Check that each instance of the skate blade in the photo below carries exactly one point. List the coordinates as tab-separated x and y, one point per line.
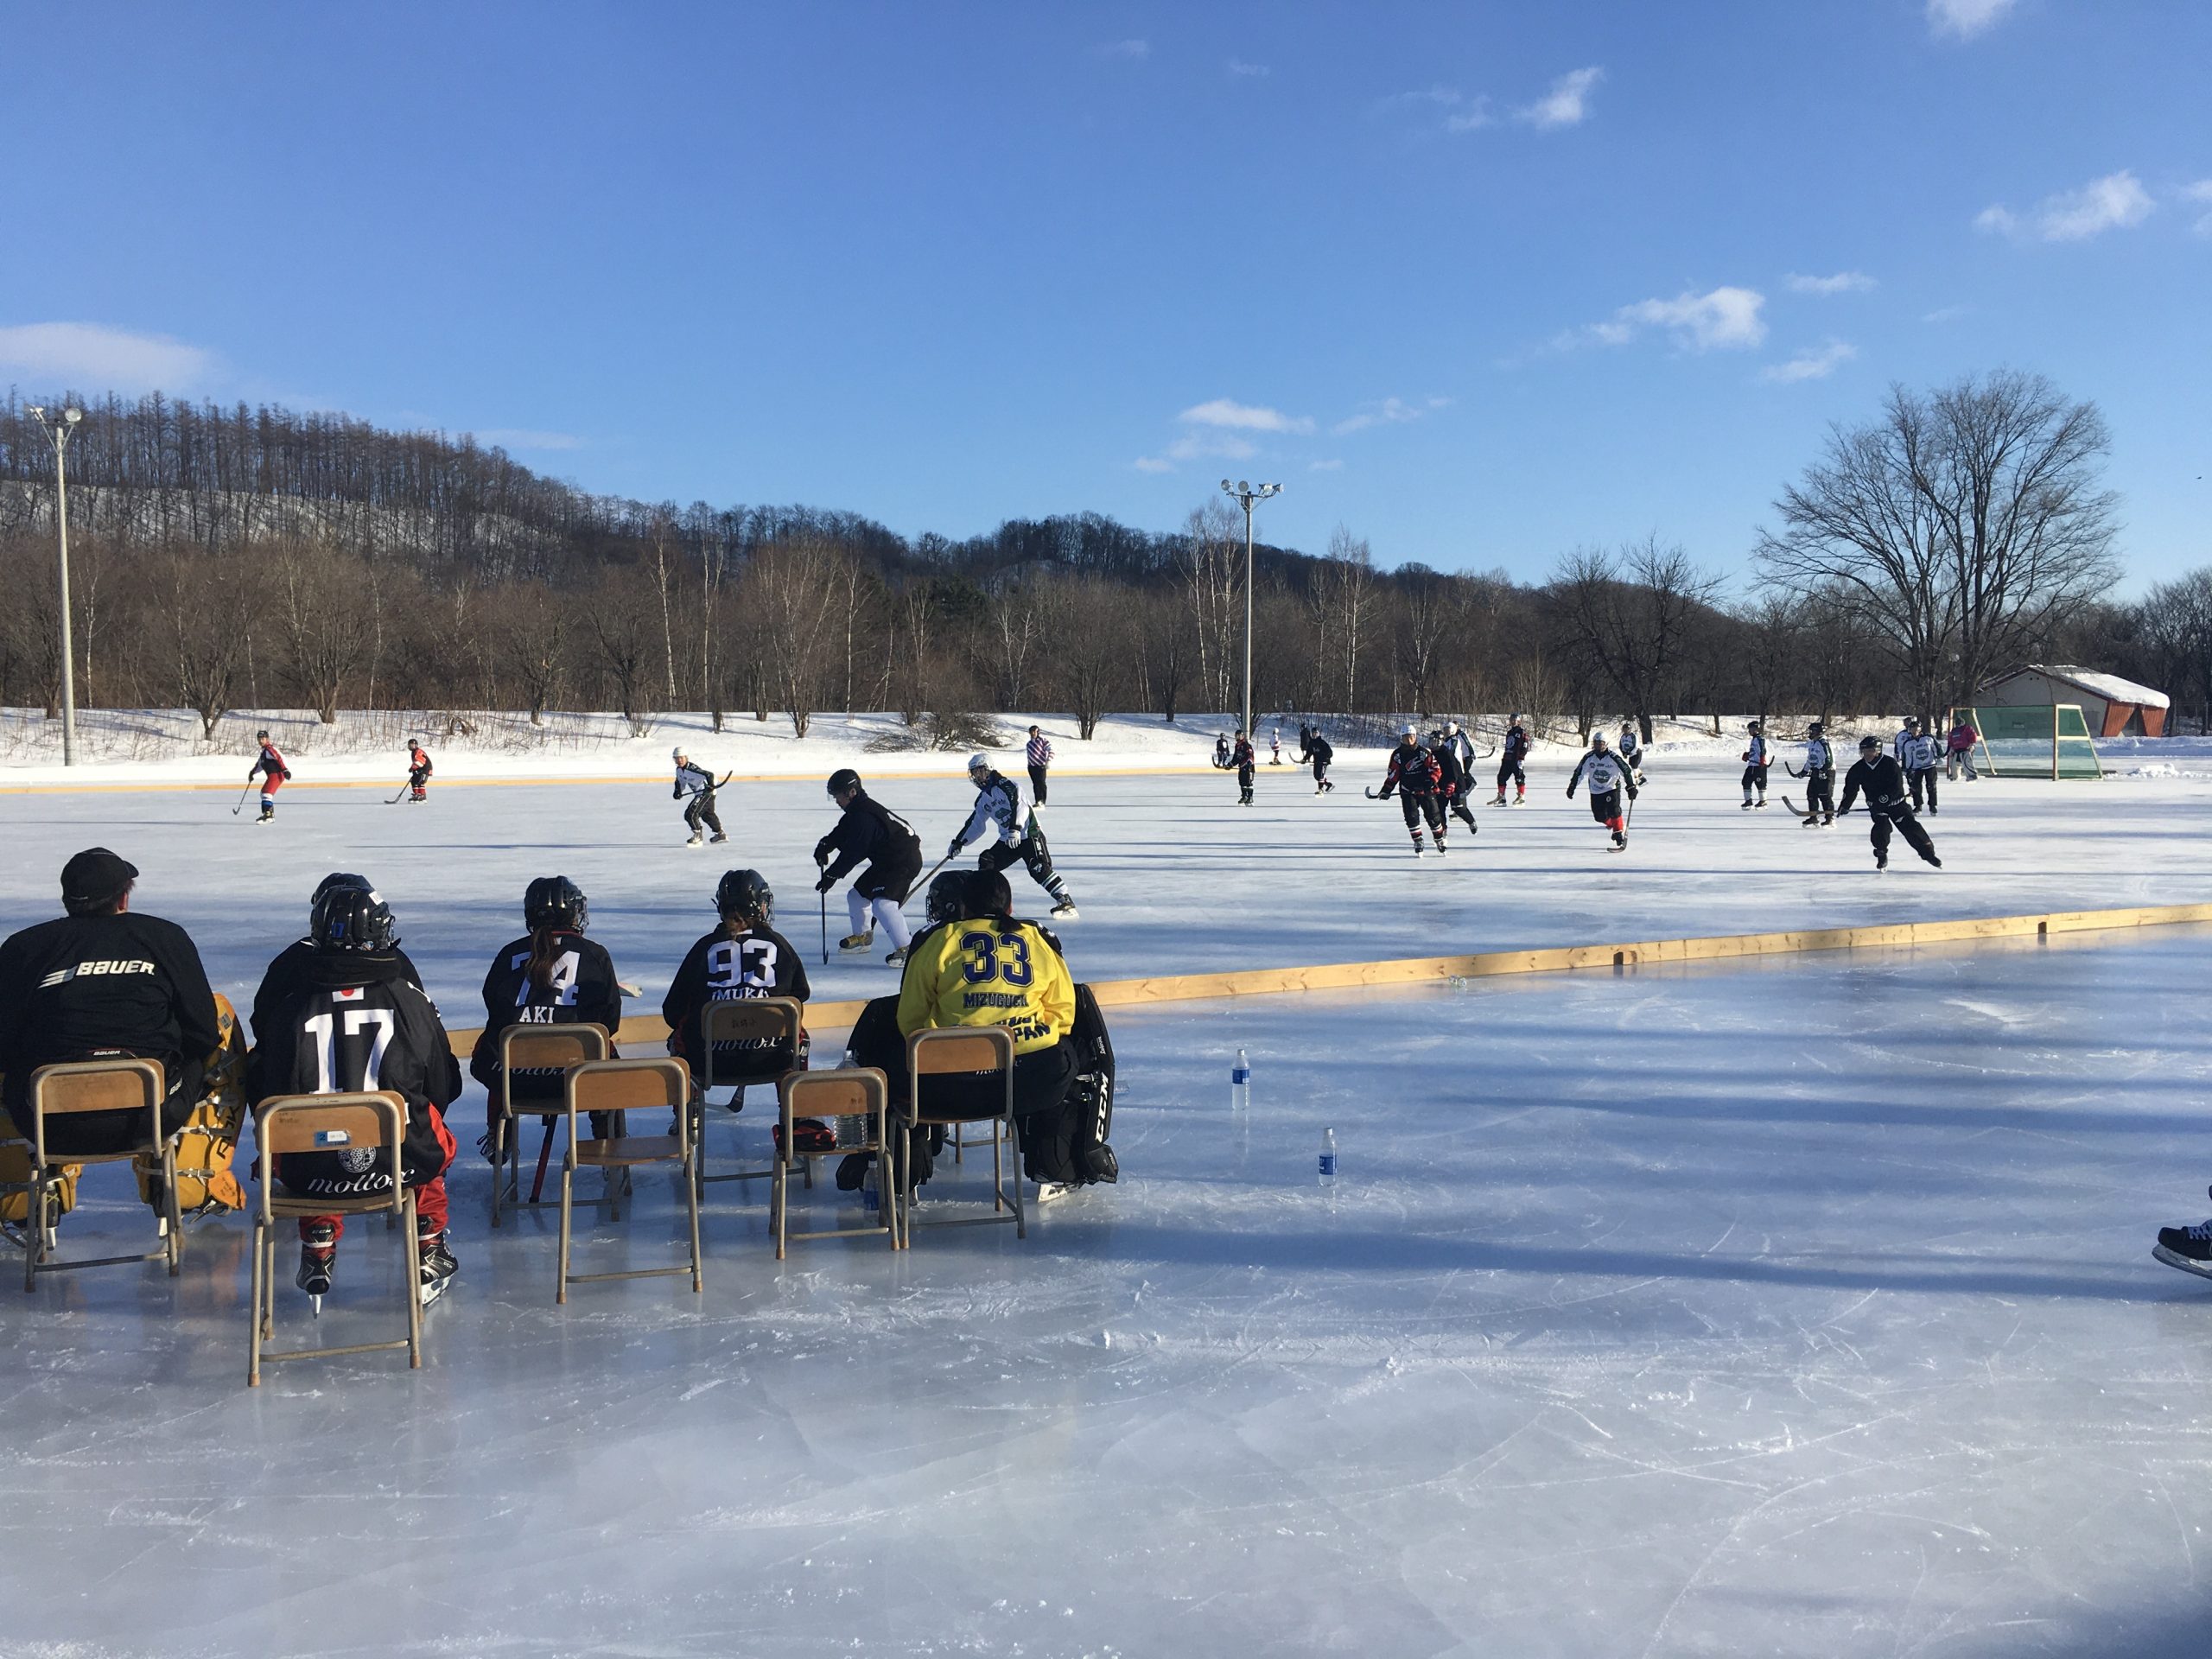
435	1289
316	1303
2202	1269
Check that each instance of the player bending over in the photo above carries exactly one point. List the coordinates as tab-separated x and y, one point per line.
1414	774
1883	780
870	834
1013	835
1608	776
699	784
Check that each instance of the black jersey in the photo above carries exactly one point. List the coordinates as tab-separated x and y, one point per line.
286	977
79	986
719	968
1413	769
580	990
1883	780
870	833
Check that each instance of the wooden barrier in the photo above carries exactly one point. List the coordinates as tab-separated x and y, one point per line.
652	1033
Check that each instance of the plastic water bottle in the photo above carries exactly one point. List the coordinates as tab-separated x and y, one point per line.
871	1193
1240	1083
1328	1158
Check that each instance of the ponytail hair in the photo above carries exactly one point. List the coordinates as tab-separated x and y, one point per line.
544	957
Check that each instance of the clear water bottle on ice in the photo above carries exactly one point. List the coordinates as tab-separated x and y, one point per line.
871	1192
1240	1083
1328	1158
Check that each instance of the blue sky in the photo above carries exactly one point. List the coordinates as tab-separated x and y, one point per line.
1483	283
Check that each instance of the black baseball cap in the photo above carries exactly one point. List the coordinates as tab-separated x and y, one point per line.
95	876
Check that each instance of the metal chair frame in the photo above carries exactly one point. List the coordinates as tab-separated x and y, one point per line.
627	1086
95	1086
777	1018
289	1123
937	1051
555	1046
855	1092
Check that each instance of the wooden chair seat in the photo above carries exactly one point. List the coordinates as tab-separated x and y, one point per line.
69	1089
626	1151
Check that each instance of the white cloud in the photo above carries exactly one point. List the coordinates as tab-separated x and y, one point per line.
1811	364
1330	466
524	437
1153	464
1247	417
1238	67
1391	411
1727	318
93	357
1448	97
1946	314
1566	103
1128	51
2114	202
1962	20
1472	116
1844	281
2200	194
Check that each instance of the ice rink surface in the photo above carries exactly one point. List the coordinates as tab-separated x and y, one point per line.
1800	1307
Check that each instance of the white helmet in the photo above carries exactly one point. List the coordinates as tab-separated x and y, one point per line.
1598	738
676	753
1410	730
979	763
1452	726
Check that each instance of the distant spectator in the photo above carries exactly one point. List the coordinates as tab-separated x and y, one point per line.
1039	757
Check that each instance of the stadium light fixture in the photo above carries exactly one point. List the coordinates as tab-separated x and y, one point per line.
1247	498
57	432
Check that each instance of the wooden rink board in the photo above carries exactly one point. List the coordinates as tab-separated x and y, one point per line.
652	1032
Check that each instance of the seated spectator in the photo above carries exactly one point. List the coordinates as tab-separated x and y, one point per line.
285	977
552	976
102	981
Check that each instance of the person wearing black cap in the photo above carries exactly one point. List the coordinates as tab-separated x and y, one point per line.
1887	804
870	834
103	981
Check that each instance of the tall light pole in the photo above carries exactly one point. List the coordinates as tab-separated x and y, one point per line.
1248	496
57	433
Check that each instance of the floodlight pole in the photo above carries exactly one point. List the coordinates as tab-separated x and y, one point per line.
57	433
1248	496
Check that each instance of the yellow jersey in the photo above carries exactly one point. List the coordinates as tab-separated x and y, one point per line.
989	972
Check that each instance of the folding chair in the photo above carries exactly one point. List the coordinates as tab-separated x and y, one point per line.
360	1122
627	1086
767	1018
936	1052
859	1091
78	1086
533	1048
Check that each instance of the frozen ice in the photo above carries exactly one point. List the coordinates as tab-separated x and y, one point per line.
1794	1306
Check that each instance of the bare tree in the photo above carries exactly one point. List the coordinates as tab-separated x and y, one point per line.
1343	601
1628	617
203	600
1963	524
1210	564
323	614
792	589
625	629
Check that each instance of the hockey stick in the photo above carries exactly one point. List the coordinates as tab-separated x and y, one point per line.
396	799
824	897
545	1154
1803	817
243	793
922	885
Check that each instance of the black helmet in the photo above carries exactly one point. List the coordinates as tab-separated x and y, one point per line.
989	894
948	896
843	779
352	920
1869	741
555	901
261	737
338	879
744	895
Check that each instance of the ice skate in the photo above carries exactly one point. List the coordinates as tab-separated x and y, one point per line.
2189	1249
1048	1191
1747	805
1066	912
897	957
1521	798
1881	861
318	1263
695	841
1620	840
718	836
439	1265
1760	803
853	942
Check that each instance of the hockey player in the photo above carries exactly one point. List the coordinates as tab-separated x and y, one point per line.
268	766
1039	757
418	771
1512	752
1883	781
1419	783
1012	833
552	976
1959	750
1221	752
1757	758
699	784
1242	758
101	981
1275	745
1921	757
1315	748
285	975
1608	776
1903	735
1462	746
1819	778
870	834
743	959
2189	1248
1631	748
356	1023
1452	782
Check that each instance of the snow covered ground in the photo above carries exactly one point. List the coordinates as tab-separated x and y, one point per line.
1798	1305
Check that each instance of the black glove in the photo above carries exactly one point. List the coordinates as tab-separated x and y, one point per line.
287	774
1632	791
953	851
825	884
675	793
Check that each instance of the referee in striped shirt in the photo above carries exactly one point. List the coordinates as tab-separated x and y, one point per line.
1040	756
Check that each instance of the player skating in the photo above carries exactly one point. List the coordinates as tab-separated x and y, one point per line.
699	785
1608	777
1883	781
871	834
1631	750
1314	747
1242	758
1512	754
1819	778
1012	834
1921	754
1757	758
1274	745
1462	746
1452	782
357	1024
418	771
268	767
1416	775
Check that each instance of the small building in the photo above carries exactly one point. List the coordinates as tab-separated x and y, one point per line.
2112	707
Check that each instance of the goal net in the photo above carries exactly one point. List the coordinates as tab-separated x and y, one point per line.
2034	740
